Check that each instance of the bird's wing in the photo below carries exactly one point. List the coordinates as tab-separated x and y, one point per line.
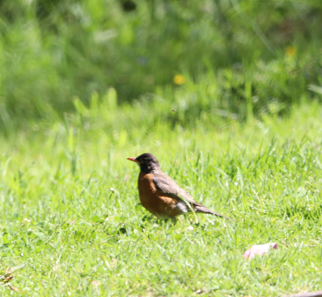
168	186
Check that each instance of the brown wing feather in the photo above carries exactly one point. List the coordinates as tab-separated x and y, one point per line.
168	186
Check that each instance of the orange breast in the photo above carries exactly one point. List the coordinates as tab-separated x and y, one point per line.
155	201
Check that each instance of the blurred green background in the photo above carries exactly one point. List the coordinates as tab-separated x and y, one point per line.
253	57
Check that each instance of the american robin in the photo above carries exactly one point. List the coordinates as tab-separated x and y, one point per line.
160	195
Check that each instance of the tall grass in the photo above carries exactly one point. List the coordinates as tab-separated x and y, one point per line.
257	56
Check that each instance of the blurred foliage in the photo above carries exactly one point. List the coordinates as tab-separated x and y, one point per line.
253	56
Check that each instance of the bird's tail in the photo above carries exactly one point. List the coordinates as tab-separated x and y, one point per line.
202	209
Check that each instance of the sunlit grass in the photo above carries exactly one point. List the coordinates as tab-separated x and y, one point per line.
225	95
72	223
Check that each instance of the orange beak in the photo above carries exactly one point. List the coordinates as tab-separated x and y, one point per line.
133	160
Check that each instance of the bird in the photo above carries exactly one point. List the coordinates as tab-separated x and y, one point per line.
161	195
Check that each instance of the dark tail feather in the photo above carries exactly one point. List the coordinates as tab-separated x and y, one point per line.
203	209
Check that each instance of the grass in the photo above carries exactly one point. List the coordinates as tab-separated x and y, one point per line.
72	224
51	51
237	128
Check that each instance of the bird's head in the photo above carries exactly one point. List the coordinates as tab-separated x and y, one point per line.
147	162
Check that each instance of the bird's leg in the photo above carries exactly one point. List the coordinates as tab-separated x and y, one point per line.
174	220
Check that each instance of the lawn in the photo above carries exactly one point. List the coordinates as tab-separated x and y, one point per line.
72	224
227	96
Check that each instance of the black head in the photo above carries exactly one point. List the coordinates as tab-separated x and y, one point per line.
147	162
